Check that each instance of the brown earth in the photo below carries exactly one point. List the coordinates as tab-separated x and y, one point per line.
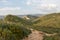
35	35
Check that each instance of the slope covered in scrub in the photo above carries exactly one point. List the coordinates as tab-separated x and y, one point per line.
50	20
49	23
12	28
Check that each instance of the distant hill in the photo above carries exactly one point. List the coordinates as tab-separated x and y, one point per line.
30	17
21	16
1	16
35	15
38	15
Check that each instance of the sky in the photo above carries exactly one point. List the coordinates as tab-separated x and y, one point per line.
23	7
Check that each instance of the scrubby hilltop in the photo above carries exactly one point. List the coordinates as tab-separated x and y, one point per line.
13	18
13	28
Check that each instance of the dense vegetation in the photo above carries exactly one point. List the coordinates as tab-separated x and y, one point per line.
12	28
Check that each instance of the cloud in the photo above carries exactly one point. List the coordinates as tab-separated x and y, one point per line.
6	2
36	1
9	8
32	2
29	2
3	0
46	6
43	6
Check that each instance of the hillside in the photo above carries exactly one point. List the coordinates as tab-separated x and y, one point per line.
49	23
13	28
51	20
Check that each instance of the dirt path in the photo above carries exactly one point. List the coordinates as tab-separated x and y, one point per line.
35	35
